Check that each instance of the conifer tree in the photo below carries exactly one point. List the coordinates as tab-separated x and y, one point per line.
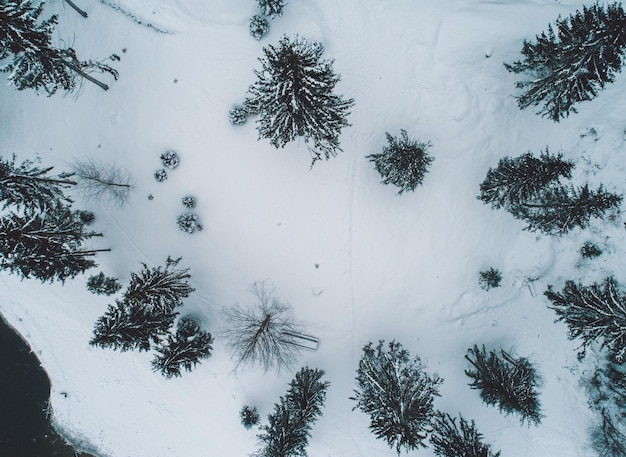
185	349
403	163
126	327
159	289
397	394
593	313
573	61
307	394
271	8
249	416
505	381
101	284
293	96
28	185
462	440
46	245
33	62
524	178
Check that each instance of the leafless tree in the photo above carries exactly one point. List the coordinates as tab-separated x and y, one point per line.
103	182
263	334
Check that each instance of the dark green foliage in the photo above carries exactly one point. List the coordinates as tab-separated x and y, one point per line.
593	313
185	349
462	440
103	285
159	289
249	416
28	185
259	26
271	8
521	179
397	394
126	326
403	163
590	250
507	382
294	97
33	61
288	428
46	245
489	279
573	61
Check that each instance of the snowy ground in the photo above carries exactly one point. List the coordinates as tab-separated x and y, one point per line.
389	266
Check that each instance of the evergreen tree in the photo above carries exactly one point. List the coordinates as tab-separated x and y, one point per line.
307	394
507	382
294	97
397	394
103	285
521	179
126	326
249	416
595	312
183	350
159	289
573	63
33	61
462	440
271	8
561	209
46	245
28	185
403	162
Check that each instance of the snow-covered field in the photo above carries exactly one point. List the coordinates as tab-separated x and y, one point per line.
388	266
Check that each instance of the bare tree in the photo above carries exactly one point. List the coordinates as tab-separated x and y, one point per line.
263	334
103	182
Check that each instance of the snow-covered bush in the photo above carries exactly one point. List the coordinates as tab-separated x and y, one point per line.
462	440
160	175
590	250
403	163
170	159
249	416
397	393
259	26
505	381
189	201
271	8
103	285
238	115
188	222
488	279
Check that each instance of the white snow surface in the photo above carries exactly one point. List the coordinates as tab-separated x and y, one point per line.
389	266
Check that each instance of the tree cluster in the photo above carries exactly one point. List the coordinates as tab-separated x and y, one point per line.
531	189
572	61
289	425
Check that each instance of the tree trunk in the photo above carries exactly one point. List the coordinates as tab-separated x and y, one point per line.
86	76
76	8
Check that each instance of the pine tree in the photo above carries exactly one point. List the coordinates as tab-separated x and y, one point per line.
307	394
249	416
28	185
462	440
573	63
507	382
524	178
397	394
33	61
595	312
562	209
103	285
46	245
271	8
294	97
183	350
403	163
159	289
126	326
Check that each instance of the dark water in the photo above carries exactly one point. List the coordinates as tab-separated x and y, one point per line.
24	392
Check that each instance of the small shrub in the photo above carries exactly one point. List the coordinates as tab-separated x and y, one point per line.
238	115
271	8
86	217
403	163
188	222
160	175
259	27
170	159
488	279
103	285
189	201
249	416
590	250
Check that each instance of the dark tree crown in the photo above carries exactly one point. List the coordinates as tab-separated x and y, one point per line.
450	439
